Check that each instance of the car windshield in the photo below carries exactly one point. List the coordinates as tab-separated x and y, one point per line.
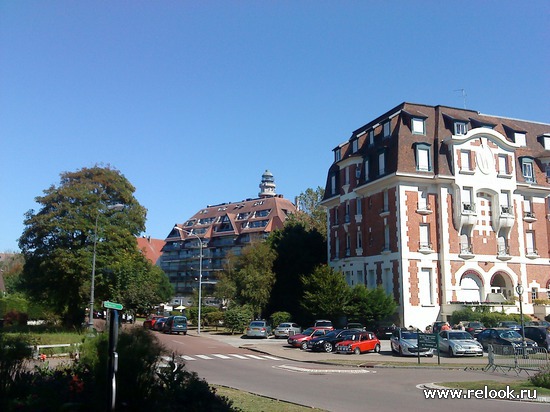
179	320
409	335
332	334
257	324
509	334
308	331
284	325
460	336
323	323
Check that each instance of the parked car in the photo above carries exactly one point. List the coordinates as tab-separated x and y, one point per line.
258	329
363	342
159	323
474	328
326	324
459	343
300	340
538	334
384	330
327	343
509	325
286	329
436	327
405	343
501	336
355	325
150	321
538	323
175	324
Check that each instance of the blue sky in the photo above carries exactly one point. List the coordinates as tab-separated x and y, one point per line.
193	100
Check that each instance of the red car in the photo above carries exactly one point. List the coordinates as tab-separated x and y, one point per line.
363	342
149	323
300	340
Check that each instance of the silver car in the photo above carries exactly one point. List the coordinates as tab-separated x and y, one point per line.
459	343
258	329
286	329
405	343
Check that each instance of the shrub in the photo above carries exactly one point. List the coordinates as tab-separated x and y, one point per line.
542	378
13	352
237	318
280	317
213	318
14	317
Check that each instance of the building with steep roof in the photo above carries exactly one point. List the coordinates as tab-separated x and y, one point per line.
444	208
220	230
151	248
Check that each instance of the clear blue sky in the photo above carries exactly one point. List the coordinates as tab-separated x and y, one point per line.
193	100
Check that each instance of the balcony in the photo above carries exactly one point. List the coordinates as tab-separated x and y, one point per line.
466	251
531	253
425	247
468	208
529	217
423	209
507	210
503	253
385	211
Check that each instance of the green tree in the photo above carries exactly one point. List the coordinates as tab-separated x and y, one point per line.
237	318
310	212
253	276
58	243
299	251
326	293
370	305
10	269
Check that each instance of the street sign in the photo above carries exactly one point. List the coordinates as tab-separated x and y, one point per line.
427	341
112	305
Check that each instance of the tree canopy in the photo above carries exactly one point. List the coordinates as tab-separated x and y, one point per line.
310	212
370	305
58	245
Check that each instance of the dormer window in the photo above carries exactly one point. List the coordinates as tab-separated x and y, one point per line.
337	155
527	167
423	157
461	128
371	138
545	141
418	126
354	145
519	138
381	163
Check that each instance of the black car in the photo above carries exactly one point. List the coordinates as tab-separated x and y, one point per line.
504	337
538	334
474	328
384	330
327	343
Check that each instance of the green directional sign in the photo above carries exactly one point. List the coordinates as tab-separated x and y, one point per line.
112	305
427	341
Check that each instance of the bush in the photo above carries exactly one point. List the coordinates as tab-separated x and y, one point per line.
14	317
13	352
280	317
82	386
213	318
237	318
542	378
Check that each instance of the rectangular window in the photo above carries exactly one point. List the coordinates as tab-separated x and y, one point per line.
387	129
467	202
371	138
461	128
346	172
425	236
358	208
359	240
504	199
348	245
422	200
333	184
534	294
519	138
366	169
503	165
465	163
527	168
388	282
336	246
425	287
530	243
423	159
418	126
336	215
337	155
371	279
386	238
354	145
386	201
381	164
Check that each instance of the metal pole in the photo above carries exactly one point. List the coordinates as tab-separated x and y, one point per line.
92	290
200	285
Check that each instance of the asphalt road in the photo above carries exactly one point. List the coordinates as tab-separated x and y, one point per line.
270	368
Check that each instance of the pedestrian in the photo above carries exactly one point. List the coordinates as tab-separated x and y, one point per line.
428	329
460	326
446	326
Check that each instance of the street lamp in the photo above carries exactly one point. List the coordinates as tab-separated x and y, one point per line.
519	290
200	274
116	207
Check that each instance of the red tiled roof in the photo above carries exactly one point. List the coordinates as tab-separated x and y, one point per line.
151	248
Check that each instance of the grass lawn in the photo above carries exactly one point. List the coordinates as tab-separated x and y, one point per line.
249	402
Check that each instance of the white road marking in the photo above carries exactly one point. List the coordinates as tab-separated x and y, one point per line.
305	370
203	356
221	356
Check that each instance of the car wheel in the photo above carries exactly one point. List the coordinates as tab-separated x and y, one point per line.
400	351
327	347
184	333
303	346
451	352
377	348
357	351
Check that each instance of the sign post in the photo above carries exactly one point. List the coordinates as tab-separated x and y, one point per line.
113	355
428	341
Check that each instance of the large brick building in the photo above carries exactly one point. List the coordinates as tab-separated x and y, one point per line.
443	207
222	229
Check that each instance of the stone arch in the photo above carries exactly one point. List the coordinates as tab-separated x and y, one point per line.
501	283
471	287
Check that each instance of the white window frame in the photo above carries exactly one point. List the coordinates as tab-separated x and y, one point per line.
423	153
371	137
418	126
358	206
381	163
386	129
354	145
519	138
460	128
466	160
425	287
338	155
528	170
503	164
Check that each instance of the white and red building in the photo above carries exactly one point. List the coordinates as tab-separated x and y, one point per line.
443	207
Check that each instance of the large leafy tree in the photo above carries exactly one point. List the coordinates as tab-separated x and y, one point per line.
58	244
253	276
370	305
299	251
310	213
326	293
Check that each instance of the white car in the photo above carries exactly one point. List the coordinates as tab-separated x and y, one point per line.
405	343
286	329
459	343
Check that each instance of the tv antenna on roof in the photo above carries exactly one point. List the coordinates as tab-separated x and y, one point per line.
463	92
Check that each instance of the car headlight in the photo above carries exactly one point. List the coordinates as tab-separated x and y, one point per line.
457	346
407	345
320	341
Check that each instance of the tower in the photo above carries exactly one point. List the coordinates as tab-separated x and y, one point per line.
267	185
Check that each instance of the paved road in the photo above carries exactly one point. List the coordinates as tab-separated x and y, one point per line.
275	370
